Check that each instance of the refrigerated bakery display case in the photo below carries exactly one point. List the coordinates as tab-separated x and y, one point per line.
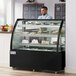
38	44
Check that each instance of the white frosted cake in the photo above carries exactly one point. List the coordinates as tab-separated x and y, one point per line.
34	41
25	41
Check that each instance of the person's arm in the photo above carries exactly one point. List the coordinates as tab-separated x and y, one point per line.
49	17
39	17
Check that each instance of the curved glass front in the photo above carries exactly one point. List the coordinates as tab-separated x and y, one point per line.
38	35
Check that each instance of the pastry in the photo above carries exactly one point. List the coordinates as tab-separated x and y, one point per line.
39	32
54	32
32	32
55	42
45	42
30	22
37	23
55	24
35	41
62	32
44	30
25	41
26	32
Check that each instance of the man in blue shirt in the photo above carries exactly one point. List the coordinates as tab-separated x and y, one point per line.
44	15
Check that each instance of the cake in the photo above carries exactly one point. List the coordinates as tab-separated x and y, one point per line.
35	41
25	41
45	42
54	41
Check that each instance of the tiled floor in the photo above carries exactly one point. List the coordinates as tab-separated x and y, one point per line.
11	72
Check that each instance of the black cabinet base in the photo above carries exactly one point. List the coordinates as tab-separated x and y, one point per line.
37	60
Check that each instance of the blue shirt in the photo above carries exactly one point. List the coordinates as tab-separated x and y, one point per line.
45	17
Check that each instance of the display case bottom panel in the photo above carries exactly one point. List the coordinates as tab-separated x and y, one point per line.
37	60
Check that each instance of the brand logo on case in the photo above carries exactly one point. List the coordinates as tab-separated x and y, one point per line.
13	52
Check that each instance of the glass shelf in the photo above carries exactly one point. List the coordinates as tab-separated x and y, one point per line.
38	49
38	26
37	45
38	35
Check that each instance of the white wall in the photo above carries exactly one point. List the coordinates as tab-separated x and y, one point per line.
2	12
6	12
70	36
5	50
9	11
48	3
